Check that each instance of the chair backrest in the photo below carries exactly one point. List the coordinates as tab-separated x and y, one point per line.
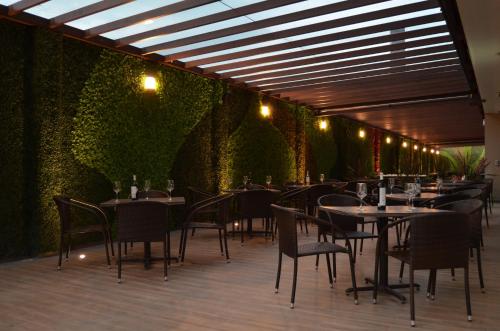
473	193
287	223
66	204
256	203
345	222
220	204
296	198
442	199
152	194
318	190
439	241
471	207
141	221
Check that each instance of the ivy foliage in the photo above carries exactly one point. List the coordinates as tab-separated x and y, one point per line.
259	148
322	145
122	130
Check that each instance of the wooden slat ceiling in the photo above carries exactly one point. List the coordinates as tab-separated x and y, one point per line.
337	57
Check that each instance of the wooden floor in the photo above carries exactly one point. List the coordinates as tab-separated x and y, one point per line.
208	294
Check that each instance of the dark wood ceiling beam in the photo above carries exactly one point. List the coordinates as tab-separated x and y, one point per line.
294	73
150	14
22	5
85	11
336	57
205	20
262	24
322	26
307	41
348	70
396	37
420	68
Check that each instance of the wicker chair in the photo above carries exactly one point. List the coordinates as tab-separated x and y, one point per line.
143	221
288	245
473	208
66	208
436	242
442	199
348	223
221	205
484	195
253	204
297	199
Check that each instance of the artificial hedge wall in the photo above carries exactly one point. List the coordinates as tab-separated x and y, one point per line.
75	118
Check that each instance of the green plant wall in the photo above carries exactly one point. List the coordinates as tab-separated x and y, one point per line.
323	149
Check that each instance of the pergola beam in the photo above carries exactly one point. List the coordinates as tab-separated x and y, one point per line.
85	11
307	41
150	14
205	20
22	5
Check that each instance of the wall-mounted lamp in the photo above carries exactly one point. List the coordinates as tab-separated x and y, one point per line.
405	144
432	151
323	125
415	147
437	153
362	133
424	149
388	140
149	83
265	111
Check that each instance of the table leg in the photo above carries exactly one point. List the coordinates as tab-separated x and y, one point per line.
147	255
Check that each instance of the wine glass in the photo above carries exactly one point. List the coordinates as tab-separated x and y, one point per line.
147	187
268	181
117	187
170	188
321	178
392	183
361	192
245	181
410	190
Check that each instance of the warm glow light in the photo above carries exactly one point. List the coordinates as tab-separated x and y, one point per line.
323	124
424	149
432	150
82	256
388	140
415	147
405	144
362	133
437	152
150	83
265	111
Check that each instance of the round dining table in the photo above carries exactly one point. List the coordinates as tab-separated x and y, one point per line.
382	217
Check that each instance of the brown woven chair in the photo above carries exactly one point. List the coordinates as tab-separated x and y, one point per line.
297	199
484	194
221	205
348	223
288	245
66	208
143	221
252	204
436	242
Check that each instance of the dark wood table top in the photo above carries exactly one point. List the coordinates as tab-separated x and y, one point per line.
239	190
390	211
404	196
174	202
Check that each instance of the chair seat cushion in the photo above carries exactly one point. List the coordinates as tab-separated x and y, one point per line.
320	248
203	225
355	235
402	255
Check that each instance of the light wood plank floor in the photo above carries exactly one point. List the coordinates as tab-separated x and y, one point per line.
208	294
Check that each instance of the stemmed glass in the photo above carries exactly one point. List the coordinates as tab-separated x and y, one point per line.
147	187
439	184
170	188
117	187
410	190
245	181
321	178
361	192
268	181
392	183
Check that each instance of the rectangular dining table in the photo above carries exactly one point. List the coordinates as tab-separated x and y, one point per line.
169	202
382	217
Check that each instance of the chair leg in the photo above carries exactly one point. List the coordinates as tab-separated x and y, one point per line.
294	286
165	259
125	248
61	244
184	244
68	247
429	282
119	261
480	269
241	231
278	274
181	243
220	243
300	223
329	267
354	253
361	244
434	282
375	279
467	293
412	298
453	274
317	255
111	242
105	236
305	225
353	277
401	271
225	245
486	214
192	232
168	248
334	266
